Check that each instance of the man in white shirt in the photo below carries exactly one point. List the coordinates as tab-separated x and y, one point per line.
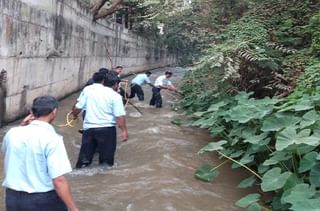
137	82
35	161
162	82
104	110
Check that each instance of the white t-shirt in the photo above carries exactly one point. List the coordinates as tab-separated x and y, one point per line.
162	81
102	105
33	156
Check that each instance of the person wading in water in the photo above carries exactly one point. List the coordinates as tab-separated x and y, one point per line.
136	84
162	82
104	110
35	161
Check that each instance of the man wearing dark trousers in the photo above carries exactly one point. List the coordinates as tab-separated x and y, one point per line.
137	82
162	82
104	111
35	161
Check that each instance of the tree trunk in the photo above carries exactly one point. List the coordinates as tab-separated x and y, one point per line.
105	12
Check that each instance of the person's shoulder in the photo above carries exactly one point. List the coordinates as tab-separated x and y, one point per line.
15	130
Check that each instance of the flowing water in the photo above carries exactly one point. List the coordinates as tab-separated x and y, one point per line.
154	169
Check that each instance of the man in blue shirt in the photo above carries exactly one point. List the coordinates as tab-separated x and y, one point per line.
35	161
136	84
104	110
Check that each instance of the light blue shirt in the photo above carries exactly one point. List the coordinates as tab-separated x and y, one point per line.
162	81
33	156
102	105
141	79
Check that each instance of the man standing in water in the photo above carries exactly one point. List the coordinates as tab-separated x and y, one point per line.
162	82
104	110
136	84
35	161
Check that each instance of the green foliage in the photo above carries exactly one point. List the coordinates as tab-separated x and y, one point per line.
206	173
279	136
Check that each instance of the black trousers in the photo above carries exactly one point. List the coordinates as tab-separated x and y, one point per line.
156	99
103	140
23	201
137	90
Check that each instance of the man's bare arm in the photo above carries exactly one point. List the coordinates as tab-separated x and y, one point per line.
121	122
63	190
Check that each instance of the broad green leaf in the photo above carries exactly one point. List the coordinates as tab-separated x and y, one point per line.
176	121
254	207
289	136
256	139
199	113
262	169
213	146
245	113
247	158
306	205
307	162
215	107
315	175
305	103
292	181
300	192
214	131
309	118
248	200
205	173
277	157
248	182
274	180
237	154
279	121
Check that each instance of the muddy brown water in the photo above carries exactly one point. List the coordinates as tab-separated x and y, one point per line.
154	169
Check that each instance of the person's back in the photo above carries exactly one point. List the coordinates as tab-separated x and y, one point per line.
100	105
29	150
35	161
141	79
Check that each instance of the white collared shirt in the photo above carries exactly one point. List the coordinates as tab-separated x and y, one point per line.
162	81
33	156
102	105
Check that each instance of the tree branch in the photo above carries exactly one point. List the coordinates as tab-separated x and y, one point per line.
105	12
96	6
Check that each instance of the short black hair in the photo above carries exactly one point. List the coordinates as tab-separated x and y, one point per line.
43	105
103	70
118	67
98	77
148	73
111	79
168	73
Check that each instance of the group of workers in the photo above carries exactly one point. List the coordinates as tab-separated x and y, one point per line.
35	158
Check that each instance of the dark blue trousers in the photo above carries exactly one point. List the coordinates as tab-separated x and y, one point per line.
136	90
23	201
156	99
103	140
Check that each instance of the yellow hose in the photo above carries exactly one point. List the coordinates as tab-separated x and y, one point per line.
69	121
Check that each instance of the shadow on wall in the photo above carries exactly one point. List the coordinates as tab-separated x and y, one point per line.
3	81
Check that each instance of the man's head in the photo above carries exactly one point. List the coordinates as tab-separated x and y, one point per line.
99	77
45	106
112	80
118	69
168	74
148	73
103	70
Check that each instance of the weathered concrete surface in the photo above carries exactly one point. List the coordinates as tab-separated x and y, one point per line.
52	47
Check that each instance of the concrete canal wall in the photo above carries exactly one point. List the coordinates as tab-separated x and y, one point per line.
53	47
